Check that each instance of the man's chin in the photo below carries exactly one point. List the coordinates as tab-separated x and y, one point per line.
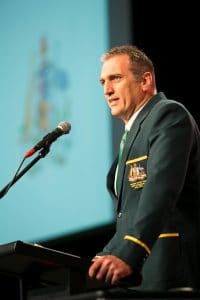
114	112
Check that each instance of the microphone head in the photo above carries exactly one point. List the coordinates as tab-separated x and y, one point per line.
64	126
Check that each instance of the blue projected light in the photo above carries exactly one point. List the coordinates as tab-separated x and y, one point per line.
50	63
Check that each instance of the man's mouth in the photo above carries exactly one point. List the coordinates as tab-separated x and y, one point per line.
113	101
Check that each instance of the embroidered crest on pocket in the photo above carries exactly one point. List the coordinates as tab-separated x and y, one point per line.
137	174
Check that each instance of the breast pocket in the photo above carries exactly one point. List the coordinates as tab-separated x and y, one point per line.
136	172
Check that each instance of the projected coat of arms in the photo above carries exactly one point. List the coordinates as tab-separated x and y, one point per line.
46	103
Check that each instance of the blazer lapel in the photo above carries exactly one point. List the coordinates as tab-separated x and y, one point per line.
130	139
111	179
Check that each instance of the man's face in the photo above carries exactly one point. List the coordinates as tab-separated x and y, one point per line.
122	91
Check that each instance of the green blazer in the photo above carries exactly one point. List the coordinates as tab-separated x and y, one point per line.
158	207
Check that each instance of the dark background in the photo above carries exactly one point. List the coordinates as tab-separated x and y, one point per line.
168	33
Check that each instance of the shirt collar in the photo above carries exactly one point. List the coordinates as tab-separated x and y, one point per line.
132	119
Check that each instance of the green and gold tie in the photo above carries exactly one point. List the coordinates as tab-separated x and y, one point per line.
121	148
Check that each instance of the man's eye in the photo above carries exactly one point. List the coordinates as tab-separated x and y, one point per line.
117	78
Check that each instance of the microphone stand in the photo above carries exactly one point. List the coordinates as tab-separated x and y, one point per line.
41	154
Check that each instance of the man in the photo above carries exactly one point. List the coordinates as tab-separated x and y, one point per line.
156	183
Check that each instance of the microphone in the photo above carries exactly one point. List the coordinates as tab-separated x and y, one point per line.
62	128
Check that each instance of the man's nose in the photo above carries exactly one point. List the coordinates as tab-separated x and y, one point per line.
108	88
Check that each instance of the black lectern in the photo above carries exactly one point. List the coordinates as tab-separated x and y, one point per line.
35	267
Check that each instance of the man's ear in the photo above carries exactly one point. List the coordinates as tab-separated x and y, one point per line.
147	80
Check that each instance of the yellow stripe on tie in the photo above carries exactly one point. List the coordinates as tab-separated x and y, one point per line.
136	159
133	239
166	235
